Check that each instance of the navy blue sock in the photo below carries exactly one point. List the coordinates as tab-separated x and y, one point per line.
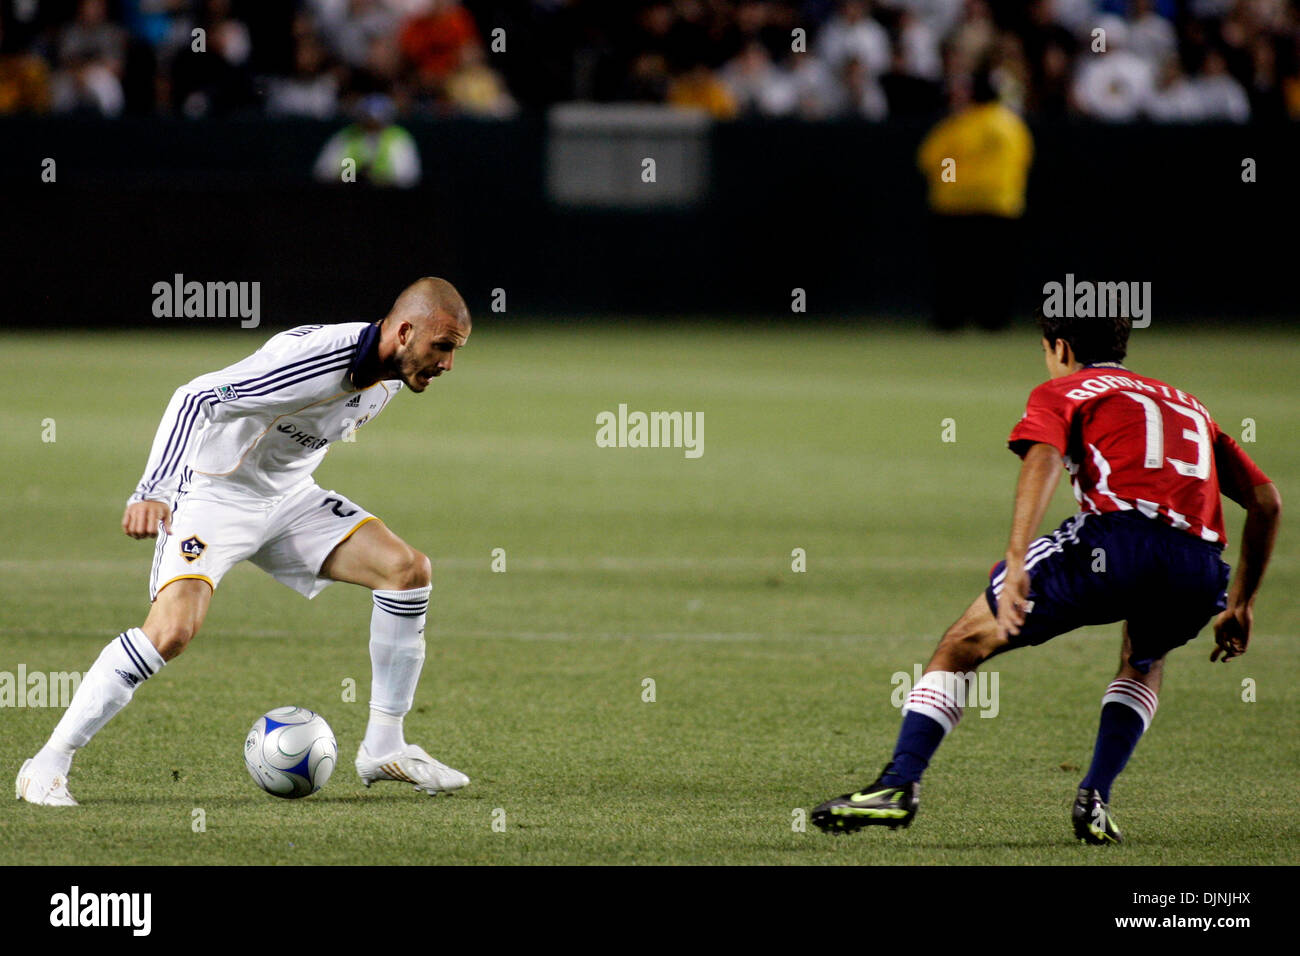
1118	734
918	739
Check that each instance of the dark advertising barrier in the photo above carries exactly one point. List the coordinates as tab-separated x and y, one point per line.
836	210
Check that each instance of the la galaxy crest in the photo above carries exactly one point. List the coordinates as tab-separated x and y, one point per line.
192	548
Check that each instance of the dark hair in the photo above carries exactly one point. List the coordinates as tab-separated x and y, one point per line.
1090	339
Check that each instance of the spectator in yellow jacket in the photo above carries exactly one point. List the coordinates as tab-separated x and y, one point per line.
976	162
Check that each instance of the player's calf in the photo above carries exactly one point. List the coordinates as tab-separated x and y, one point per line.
123	665
126	662
1127	709
933	709
399	579
397	649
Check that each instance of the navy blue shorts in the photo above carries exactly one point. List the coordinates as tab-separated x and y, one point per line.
1121	566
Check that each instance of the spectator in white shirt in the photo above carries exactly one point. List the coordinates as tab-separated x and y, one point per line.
313	89
920	48
853	35
866	97
817	92
1222	98
1151	36
756	84
1116	85
1173	100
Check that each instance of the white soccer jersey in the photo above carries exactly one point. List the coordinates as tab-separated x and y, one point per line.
263	425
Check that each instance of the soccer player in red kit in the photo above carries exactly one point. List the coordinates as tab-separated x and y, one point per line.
1148	465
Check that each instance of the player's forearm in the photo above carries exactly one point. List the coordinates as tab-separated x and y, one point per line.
1039	473
1263	515
170	443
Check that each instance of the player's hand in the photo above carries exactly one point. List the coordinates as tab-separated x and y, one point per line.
1232	632
1013	602
142	517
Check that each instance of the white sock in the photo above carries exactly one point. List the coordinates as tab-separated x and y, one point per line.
936	695
122	666
396	657
383	734
1131	693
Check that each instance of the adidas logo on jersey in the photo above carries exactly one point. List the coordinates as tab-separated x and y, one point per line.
353	402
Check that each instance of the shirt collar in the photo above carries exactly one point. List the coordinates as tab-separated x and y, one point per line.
364	369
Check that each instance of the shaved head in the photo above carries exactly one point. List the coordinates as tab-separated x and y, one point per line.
425	300
419	336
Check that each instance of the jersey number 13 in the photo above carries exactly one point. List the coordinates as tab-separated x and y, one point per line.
1155	445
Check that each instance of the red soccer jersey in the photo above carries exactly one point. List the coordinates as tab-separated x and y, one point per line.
1132	442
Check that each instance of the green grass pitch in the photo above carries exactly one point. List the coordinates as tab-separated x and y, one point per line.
772	688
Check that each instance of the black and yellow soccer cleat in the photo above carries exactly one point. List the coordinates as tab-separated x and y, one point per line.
1092	820
874	805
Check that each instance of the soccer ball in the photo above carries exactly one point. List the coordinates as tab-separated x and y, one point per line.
290	752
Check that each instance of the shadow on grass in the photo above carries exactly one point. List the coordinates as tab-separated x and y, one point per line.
255	801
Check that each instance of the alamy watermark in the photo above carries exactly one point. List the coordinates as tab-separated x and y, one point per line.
128	910
1086	300
626	429
38	688
978	689
208	300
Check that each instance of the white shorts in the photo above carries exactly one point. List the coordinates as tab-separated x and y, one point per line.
289	538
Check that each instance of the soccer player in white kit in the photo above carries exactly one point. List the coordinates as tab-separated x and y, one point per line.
229	478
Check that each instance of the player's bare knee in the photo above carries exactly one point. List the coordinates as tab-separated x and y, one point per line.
963	648
425	568
958	658
409	569
171	637
420	570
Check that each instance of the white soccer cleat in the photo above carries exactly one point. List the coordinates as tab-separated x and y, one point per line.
409	765
43	789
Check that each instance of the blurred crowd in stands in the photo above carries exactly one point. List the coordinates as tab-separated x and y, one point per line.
1154	60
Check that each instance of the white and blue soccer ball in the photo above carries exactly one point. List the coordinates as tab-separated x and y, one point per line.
291	752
